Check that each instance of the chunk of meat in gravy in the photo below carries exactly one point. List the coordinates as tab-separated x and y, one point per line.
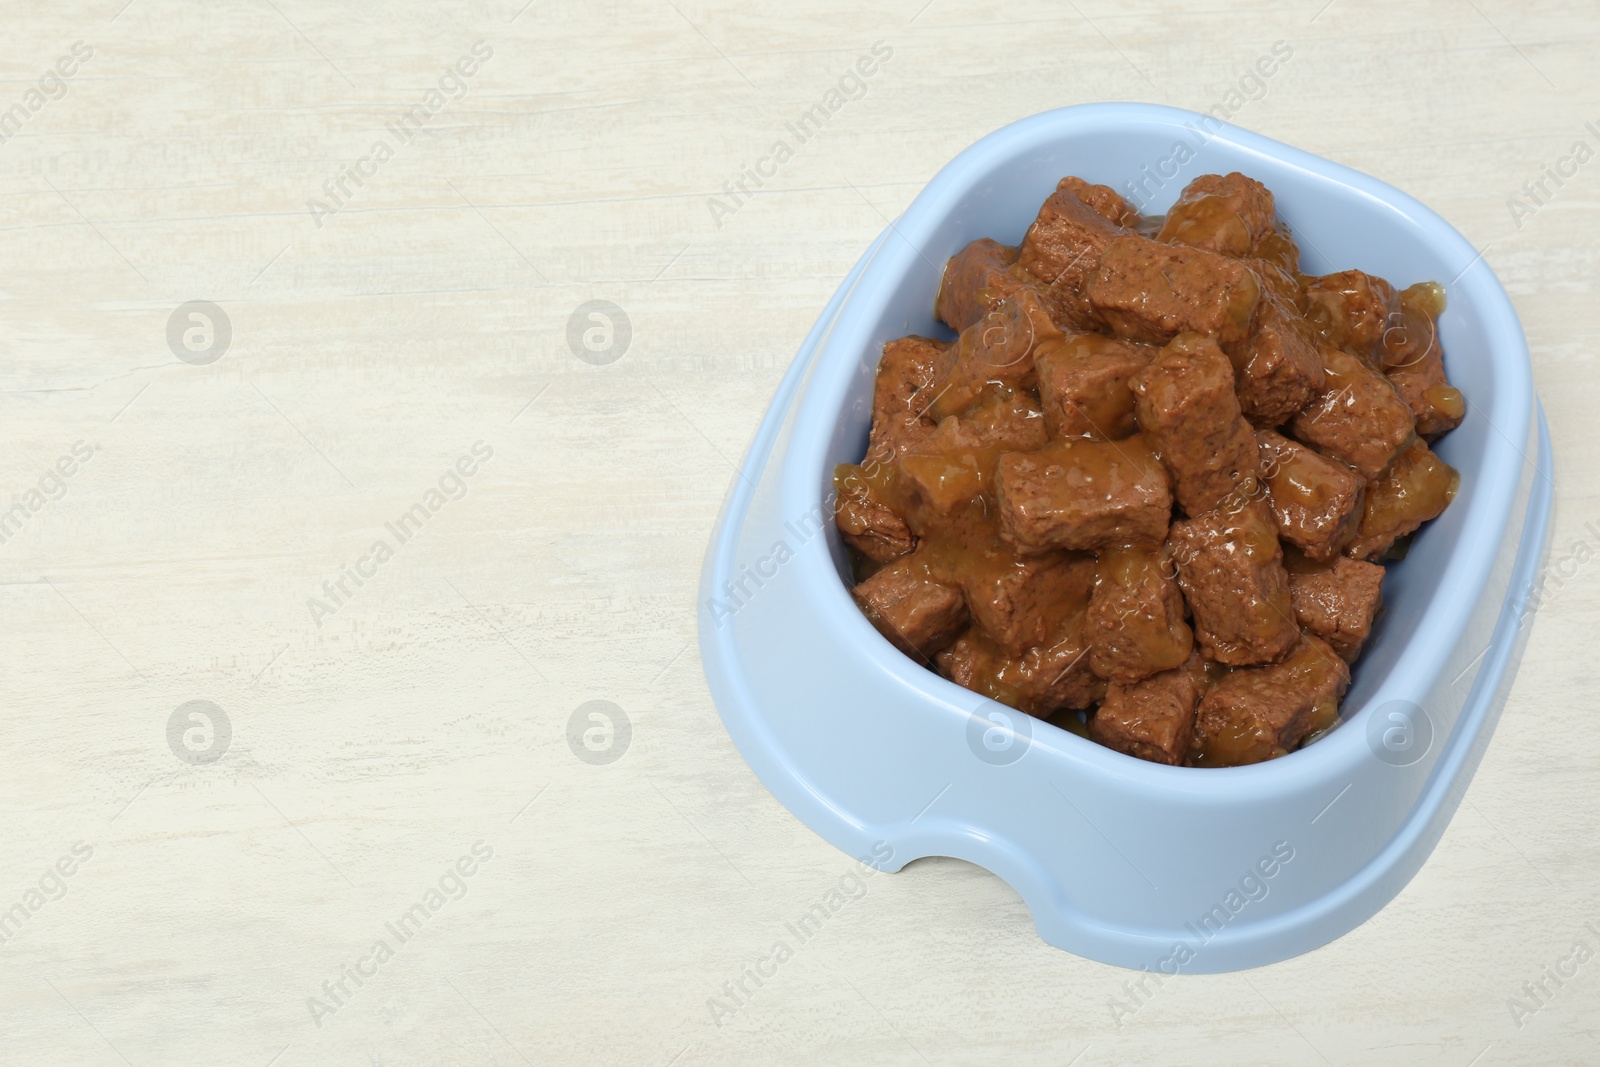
1260	713
901	394
1013	421
1278	249
945	472
1020	603
1230	567
1085	385
1189	412
894	435
1226	213
1103	199
1351	309
996	352
1079	494
1276	369
1043	680
1414	362
1437	406
1316	502
1152	719
1416	489
867	523
1135	620
1066	239
1358	418
908	367
954	464
1278	281
917	614
975	280
1337	601
1148	291
1056	675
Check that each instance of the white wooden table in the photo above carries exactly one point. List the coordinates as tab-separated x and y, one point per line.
415	307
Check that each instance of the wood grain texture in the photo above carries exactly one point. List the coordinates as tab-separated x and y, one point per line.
373	747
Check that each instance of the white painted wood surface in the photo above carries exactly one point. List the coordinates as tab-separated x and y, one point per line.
374	746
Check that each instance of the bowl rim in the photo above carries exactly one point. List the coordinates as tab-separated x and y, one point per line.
1489	509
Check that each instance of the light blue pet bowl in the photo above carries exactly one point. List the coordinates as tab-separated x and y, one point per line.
1131	863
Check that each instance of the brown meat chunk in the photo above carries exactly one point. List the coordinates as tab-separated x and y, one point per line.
954	463
1080	495
1011	420
867	523
1085	385
893	436
1357	419
1351	309
1135	617
1149	291
1414	362
1417	488
1103	199
1020	603
1278	249
1276	369
900	394
1188	410
908	367
1230	567
1315	501
918	615
1258	714
1066	239
975	280
1437	406
1279	281
1042	681
1337	601
873	529
1225	213
996	352
1057	675
1152	719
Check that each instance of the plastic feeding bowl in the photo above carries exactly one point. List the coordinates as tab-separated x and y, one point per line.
1119	860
